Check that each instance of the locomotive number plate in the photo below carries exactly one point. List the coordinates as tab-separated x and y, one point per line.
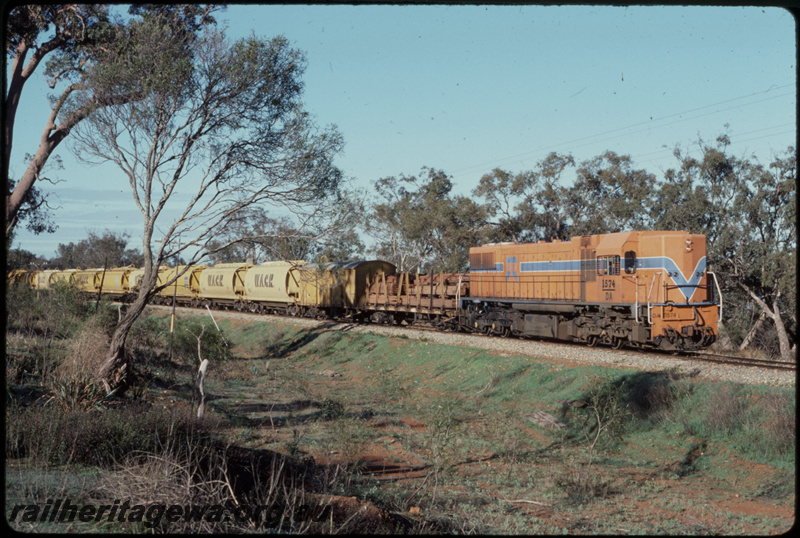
609	284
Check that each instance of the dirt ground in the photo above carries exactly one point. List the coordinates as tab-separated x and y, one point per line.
484	486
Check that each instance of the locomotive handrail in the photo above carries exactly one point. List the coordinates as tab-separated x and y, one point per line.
719	293
458	292
649	294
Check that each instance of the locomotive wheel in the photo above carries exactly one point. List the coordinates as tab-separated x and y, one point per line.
592	340
617	342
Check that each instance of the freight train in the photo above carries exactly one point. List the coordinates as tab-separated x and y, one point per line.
643	289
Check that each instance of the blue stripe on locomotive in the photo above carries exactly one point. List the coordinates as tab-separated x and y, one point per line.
685	285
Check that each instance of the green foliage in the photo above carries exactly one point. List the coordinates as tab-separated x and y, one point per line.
606	414
18	258
148	332
58	312
81	393
97	251
421	225
609	196
188	331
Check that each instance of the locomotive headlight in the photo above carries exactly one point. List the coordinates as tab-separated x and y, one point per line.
689	245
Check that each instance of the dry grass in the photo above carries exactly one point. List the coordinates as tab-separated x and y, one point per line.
87	351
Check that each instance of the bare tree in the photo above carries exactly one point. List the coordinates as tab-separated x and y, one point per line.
231	135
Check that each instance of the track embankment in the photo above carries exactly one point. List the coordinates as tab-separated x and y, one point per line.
562	353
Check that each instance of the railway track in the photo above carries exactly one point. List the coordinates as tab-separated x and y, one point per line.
743	361
724	360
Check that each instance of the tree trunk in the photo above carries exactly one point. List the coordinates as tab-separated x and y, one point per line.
723	340
751	334
783	336
115	374
774	314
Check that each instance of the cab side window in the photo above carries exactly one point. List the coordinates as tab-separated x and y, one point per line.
630	262
608	265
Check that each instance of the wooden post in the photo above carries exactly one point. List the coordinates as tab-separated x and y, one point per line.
201	378
419	298
100	291
172	318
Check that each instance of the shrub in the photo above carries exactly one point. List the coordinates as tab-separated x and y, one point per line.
147	338
779	423
79	392
52	435
213	344
581	484
651	396
725	409
86	350
606	413
65	306
23	310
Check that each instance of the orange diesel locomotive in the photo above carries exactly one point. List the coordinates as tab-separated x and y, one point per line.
633	288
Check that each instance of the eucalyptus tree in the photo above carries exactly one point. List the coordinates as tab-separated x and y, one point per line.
92	60
501	197
420	225
97	250
530	205
762	247
609	196
227	134
747	213
544	209
256	236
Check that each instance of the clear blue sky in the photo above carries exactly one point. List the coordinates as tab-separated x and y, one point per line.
466	89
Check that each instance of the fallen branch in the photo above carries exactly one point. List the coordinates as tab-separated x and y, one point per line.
526	501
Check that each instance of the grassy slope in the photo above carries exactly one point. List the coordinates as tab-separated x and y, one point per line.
461	412
441	434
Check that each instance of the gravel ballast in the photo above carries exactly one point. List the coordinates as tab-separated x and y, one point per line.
565	354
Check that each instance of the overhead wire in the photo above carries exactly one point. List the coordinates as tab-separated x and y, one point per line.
593	139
